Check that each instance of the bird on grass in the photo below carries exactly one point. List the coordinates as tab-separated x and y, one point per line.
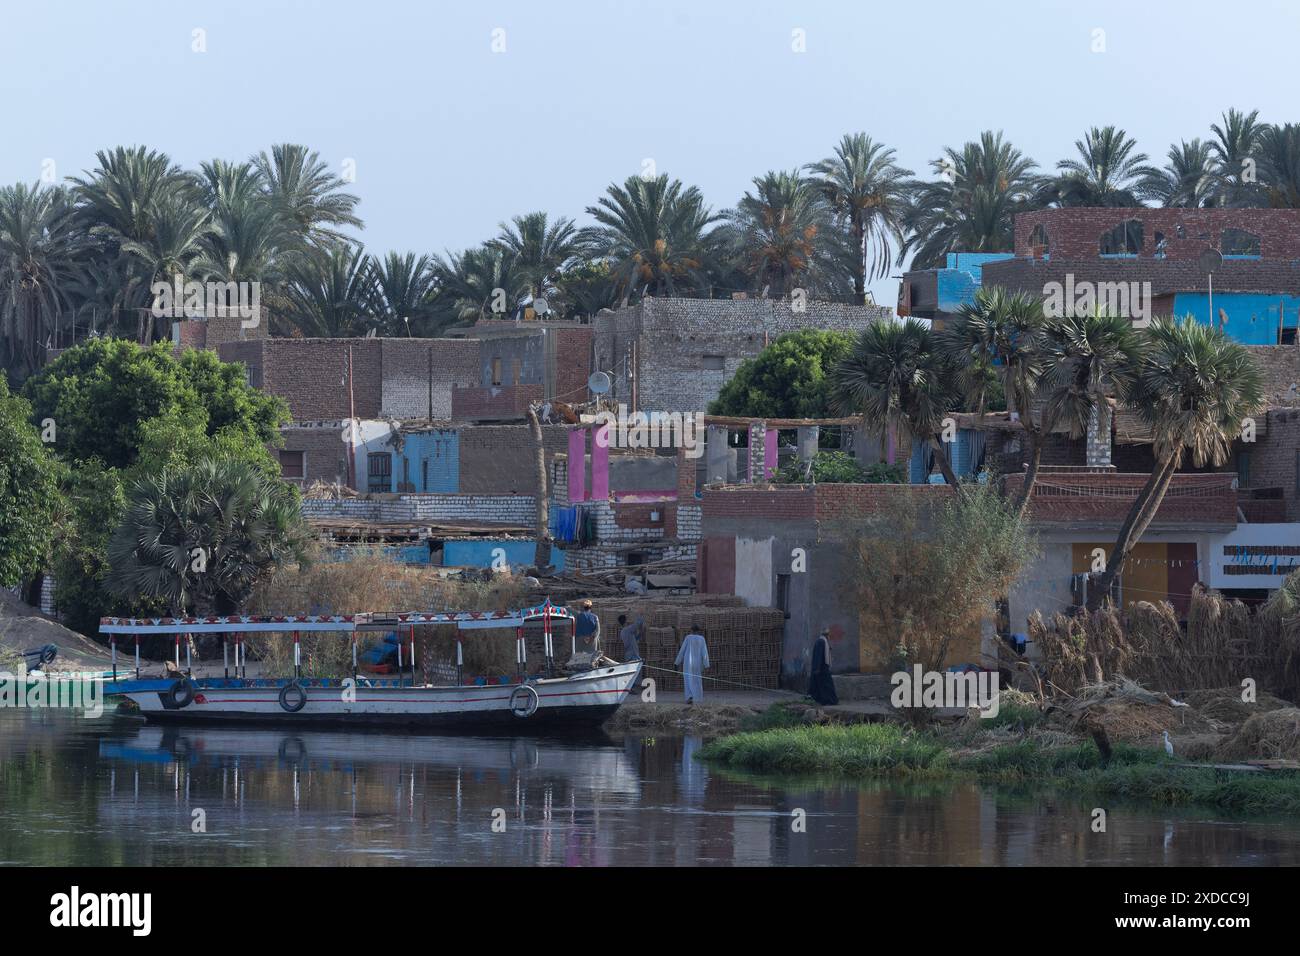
1169	747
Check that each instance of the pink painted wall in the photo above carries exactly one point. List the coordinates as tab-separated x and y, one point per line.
578	464
600	463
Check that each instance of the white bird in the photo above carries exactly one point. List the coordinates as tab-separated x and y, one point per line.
1169	747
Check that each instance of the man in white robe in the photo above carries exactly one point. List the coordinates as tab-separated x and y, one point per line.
693	660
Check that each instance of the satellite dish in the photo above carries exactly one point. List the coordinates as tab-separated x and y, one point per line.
1210	260
541	306
599	382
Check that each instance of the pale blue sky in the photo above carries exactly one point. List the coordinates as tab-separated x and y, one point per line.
449	138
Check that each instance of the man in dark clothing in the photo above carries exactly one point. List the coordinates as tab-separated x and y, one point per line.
586	628
821	687
629	633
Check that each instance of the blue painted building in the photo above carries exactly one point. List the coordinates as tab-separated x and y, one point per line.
935	294
1253	318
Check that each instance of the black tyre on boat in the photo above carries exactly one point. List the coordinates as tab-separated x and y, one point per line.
180	694
293	697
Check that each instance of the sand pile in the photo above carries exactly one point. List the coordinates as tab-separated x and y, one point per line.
22	628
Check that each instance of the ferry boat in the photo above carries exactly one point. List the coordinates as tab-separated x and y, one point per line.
585	696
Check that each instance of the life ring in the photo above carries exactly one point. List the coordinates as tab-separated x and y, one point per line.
523	701
180	694
299	694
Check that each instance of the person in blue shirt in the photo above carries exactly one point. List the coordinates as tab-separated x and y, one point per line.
586	628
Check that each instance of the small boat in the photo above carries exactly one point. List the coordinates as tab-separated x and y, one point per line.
521	702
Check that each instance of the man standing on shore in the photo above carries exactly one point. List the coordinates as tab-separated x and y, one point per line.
693	659
629	633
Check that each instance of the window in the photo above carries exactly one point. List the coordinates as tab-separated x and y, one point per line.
714	362
1239	242
1124	240
292	464
1039	247
379	472
496	371
783	593
1243	469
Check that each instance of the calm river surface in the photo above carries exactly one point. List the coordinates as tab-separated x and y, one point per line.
114	791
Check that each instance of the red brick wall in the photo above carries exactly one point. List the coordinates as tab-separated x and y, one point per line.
796	501
1090	497
503	402
1076	232
572	364
1273	458
638	515
836	502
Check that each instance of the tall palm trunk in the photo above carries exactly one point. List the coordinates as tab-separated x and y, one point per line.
860	267
945	466
1031	473
1139	517
543	528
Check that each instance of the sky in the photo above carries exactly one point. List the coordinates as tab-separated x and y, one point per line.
456	116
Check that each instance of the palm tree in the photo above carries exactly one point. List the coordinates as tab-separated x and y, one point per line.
1189	180
1279	165
330	291
306	195
540	249
1193	388
1004	330
120	198
894	375
200	537
39	243
1236	151
653	232
868	192
405	288
971	207
1107	172
480	283
779	233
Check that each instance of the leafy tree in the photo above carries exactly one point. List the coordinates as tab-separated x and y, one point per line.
1236	150
29	493
331	291
472	283
405	291
1279	166
1107	173
836	467
868	193
1193	388
896	377
201	536
540	248
654	233
791	378
308	198
971	206
1190	179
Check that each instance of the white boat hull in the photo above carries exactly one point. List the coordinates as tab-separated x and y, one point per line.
589	698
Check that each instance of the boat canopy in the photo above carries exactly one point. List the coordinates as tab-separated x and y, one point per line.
545	612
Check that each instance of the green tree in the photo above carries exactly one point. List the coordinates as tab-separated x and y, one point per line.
331	292
405	291
1193	388
200	537
29	493
1107	173
971	206
1190	178
540	248
308	198
655	235
896	378
1236	151
791	378
868	193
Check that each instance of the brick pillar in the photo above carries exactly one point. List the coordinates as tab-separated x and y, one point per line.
757	452
716	456
686	470
1098	440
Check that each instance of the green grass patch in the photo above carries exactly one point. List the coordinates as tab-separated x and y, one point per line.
886	749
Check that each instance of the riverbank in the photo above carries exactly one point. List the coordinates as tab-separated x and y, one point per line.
1023	749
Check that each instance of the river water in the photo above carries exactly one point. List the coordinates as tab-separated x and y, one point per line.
115	791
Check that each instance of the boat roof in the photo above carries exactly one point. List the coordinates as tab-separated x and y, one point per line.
365	621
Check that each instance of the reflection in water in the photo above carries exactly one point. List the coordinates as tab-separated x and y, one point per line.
117	792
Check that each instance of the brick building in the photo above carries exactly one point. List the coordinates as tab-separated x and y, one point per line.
331	379
522	362
676	354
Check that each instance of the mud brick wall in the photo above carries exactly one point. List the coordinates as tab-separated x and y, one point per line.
325	454
1275	458
493	403
672	337
1205	499
500	459
1166	276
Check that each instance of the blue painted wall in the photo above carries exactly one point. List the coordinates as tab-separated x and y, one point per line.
1252	318
955	285
478	553
441	450
960	455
